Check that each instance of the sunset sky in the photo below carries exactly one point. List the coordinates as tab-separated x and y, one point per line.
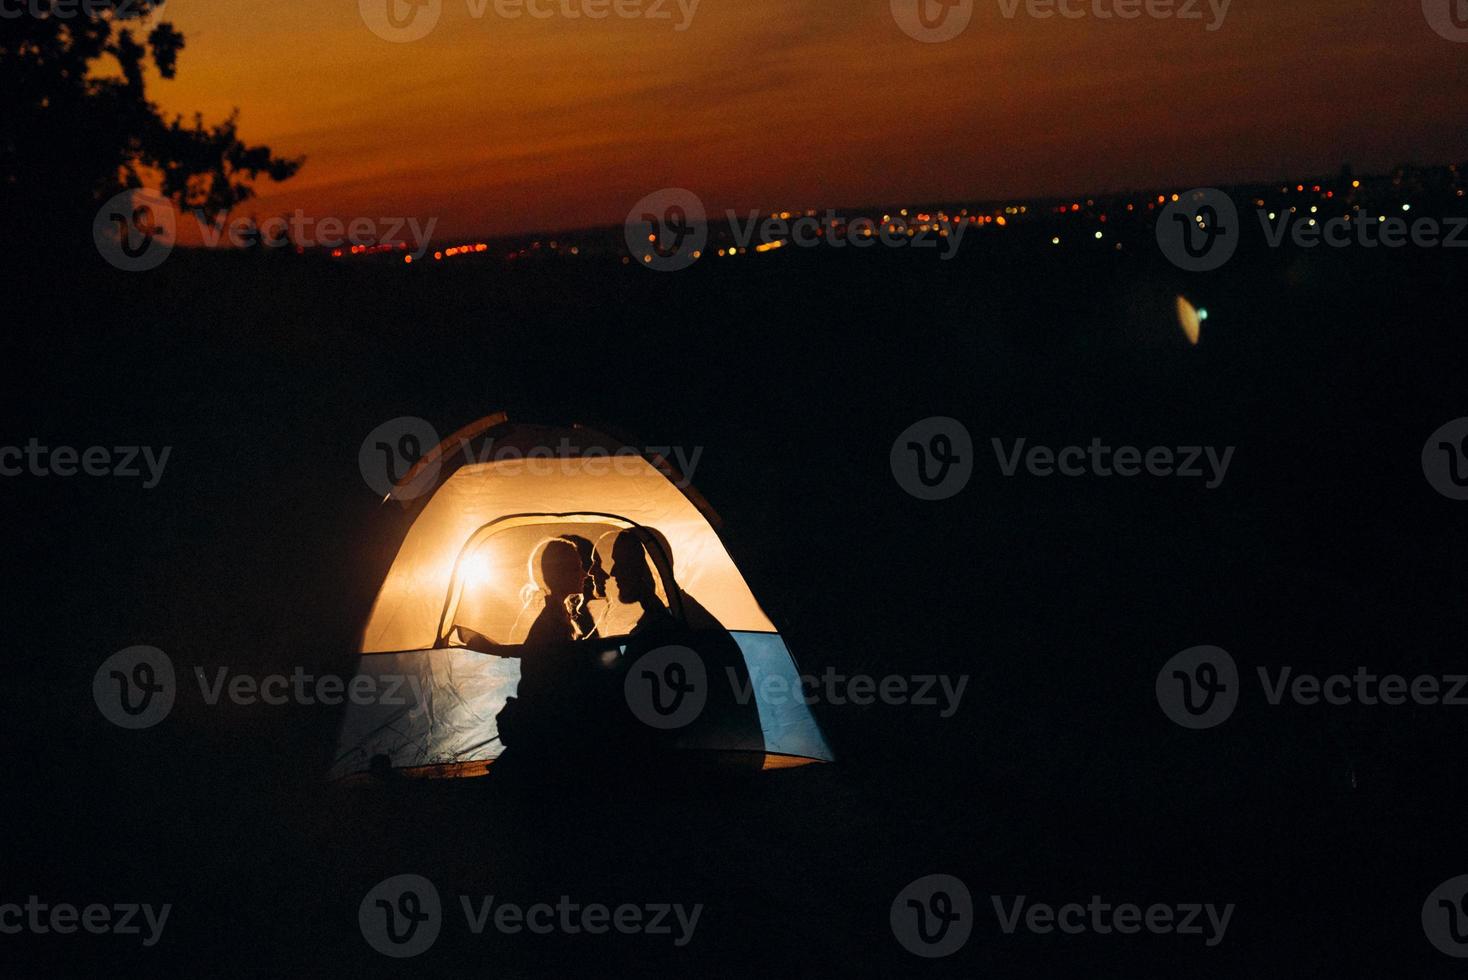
496	125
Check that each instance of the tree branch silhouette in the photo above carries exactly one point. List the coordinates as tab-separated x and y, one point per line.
79	127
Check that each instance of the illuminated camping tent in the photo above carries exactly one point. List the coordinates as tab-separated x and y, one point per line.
477	511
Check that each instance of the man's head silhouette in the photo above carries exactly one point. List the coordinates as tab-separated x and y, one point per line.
631	570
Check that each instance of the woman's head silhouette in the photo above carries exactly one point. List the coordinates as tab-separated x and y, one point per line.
556	568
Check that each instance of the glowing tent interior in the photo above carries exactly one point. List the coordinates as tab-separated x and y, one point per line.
478	512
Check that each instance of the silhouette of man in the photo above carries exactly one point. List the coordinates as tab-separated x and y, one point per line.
632	574
726	722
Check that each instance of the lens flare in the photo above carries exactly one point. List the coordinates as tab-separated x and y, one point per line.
1191	320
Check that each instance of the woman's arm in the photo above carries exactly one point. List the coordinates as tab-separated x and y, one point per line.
474	640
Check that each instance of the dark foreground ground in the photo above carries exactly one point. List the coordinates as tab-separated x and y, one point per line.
1059	778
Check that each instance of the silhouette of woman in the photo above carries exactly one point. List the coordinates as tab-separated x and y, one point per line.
593	589
546	709
557	573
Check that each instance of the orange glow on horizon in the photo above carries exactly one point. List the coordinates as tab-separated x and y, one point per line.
496	126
